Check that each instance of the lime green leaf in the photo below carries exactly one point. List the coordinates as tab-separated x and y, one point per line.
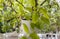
25	28
29	9
23	37
1	1
21	1
32	25
44	12
45	20
21	10
34	36
1	7
32	2
35	17
38	25
28	16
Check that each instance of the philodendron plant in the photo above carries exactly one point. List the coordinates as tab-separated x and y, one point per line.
39	14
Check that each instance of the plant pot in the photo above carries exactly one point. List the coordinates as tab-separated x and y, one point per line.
11	35
1	36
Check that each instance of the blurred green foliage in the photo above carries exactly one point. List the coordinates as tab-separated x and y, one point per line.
43	14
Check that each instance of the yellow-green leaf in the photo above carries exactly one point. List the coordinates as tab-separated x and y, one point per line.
35	17
32	2
25	28
44	12
23	37
34	36
45	20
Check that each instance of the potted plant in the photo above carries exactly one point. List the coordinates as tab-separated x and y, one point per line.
39	16
36	16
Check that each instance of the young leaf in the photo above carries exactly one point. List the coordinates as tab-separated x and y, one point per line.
34	36
45	20
1	7
29	9
44	12
32	2
28	16
35	17
25	28
23	37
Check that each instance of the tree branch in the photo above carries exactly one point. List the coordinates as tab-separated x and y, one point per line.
36	3
20	3
42	2
13	8
12	19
